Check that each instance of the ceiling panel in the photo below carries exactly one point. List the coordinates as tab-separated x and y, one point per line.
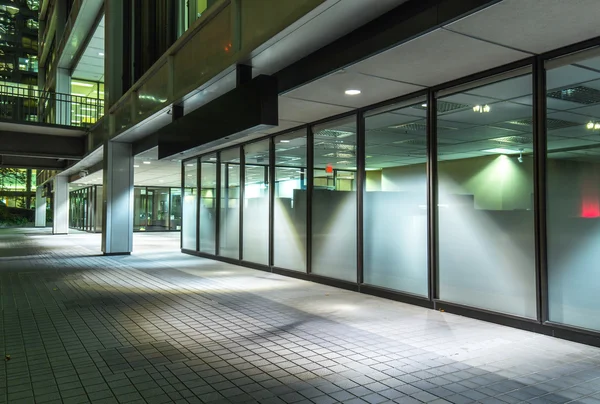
291	109
331	89
533	25
435	58
91	64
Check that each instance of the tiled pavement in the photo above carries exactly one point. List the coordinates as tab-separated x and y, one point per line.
161	327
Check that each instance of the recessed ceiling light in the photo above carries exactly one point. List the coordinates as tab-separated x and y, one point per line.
424	105
501	150
189	175
284	141
78	83
352	92
147	162
100	54
136	166
161	180
190	165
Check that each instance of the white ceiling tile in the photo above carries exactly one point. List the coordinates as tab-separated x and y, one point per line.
291	109
435	58
331	89
533	25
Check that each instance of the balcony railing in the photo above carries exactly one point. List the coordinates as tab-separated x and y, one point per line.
31	105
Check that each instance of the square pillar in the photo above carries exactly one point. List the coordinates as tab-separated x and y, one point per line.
40	207
117	220
61	205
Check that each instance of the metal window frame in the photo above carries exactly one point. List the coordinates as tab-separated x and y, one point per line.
541	324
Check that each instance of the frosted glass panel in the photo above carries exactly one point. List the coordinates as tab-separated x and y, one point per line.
190	193
289	244
256	203
395	200
334	200
229	219
573	215
485	185
208	204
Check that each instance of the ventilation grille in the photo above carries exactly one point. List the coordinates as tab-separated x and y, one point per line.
550	123
579	94
418	127
514	140
335	146
332	133
445	106
421	142
339	155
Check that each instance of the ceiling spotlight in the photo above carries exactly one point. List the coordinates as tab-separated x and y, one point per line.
352	92
284	141
147	162
482	109
593	125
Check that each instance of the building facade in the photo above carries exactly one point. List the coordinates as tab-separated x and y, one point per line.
441	153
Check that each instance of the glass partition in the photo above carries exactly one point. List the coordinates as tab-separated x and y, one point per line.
334	200
395	199
175	209
289	221
485	186
140	217
158	208
229	217
208	204
256	203
573	189
190	193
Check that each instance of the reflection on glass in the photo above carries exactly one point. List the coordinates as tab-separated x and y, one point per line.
158	209
140	217
175	213
229	219
190	193
208	205
485	185
99	207
256	203
395	199
289	221
573	173
334	200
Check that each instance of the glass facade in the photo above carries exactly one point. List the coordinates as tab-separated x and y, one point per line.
289	213
189	208
482	195
573	189
395	198
154	209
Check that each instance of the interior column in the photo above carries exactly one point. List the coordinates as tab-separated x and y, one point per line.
61	205
40	207
117	221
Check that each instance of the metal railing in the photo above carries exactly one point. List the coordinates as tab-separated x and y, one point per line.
22	104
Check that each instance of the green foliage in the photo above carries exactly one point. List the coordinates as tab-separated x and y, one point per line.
7	218
12	178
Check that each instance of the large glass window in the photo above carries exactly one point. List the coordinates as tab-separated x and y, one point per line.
334	200
158	208
485	185
395	199
190	193
289	221
256	203
573	175
229	218
140	214
208	204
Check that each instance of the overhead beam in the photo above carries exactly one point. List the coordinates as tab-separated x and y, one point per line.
41	146
248	108
32	162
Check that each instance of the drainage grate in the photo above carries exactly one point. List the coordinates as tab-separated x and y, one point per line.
579	94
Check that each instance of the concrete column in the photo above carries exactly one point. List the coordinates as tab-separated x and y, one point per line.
40	207
63	98
61	205
117	220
